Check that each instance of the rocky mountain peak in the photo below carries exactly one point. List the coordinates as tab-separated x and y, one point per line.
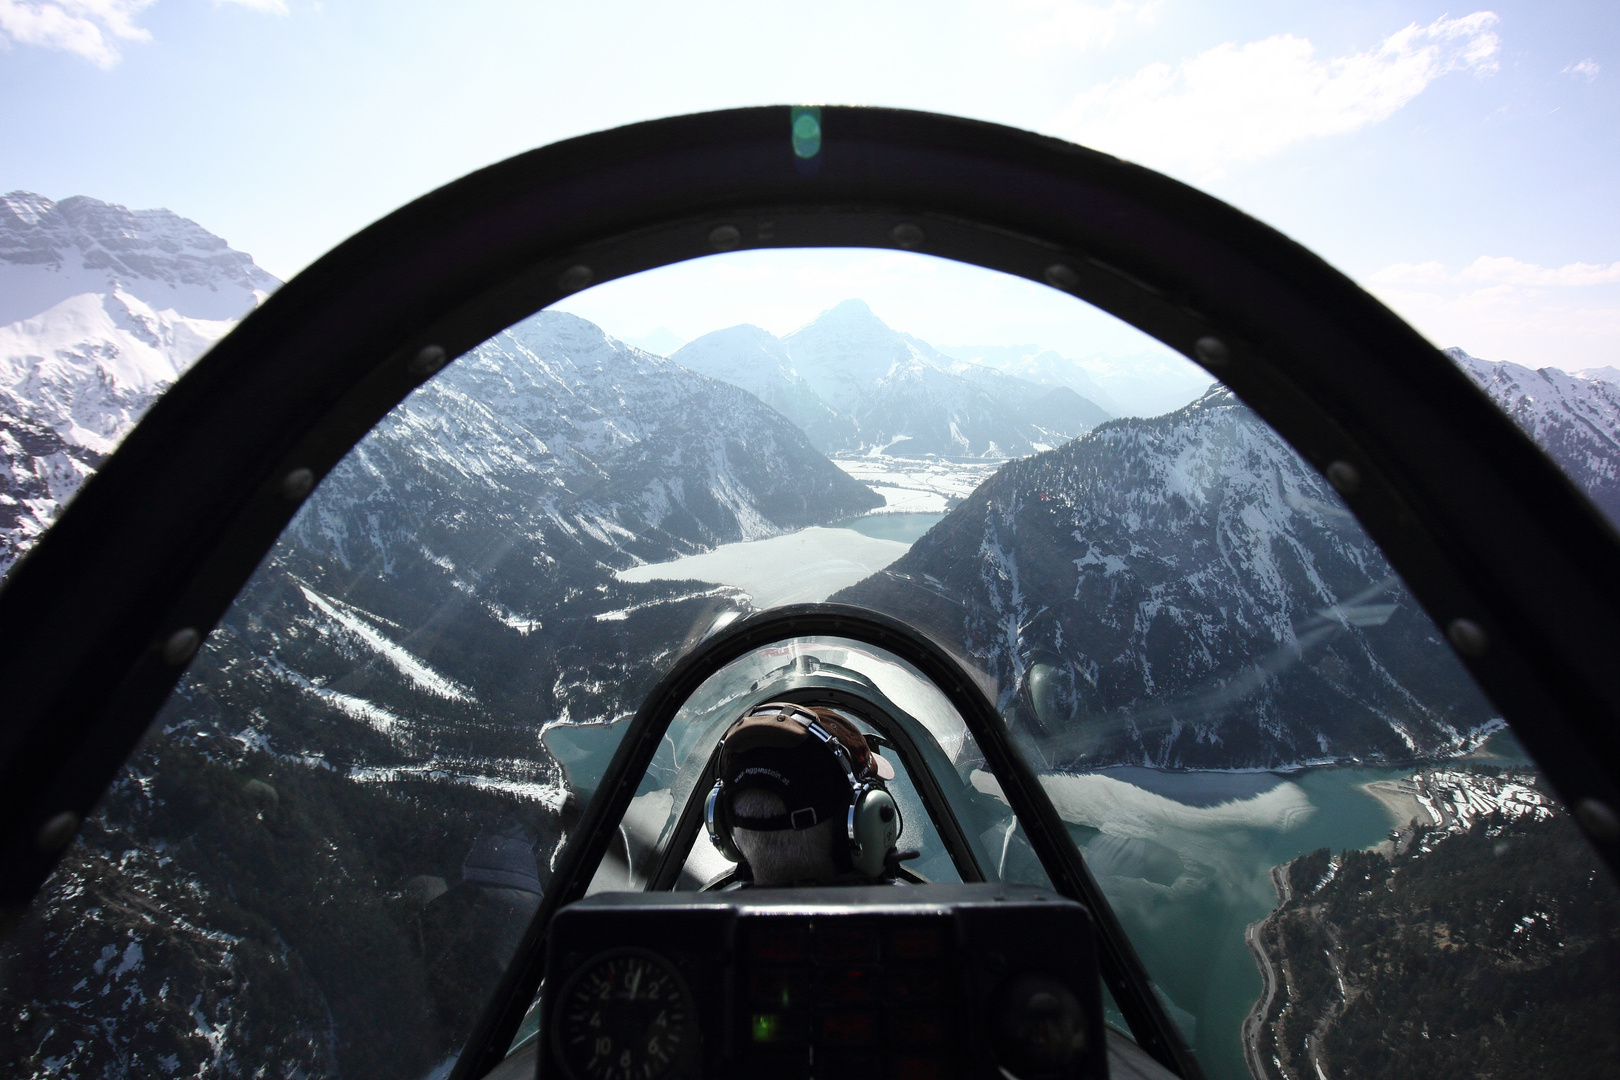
50	251
1574	418
101	309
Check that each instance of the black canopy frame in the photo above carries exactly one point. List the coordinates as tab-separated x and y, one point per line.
99	620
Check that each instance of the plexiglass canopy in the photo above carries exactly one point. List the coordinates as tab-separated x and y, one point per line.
332	842
1311	826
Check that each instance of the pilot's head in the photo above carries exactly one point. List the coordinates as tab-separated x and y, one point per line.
801	798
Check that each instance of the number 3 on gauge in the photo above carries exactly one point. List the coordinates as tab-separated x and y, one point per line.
625	1014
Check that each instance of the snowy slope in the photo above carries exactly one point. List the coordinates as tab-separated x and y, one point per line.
853	383
1184	591
101	309
1575	418
758	361
388	688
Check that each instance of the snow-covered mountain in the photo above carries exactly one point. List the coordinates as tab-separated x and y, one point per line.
1608	374
758	361
1575	418
1146	384
1184	591
290	855
557	433
101	309
853	383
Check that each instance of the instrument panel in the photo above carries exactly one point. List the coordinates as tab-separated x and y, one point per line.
934	982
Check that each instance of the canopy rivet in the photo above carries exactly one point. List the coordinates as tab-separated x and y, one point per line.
428	359
1468	637
907	235
181	646
296	484
1062	276
1212	351
58	832
1599	818
725	237
574	278
1345	477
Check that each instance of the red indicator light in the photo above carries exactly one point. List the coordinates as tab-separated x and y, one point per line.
847	1029
916	942
777	943
919	1068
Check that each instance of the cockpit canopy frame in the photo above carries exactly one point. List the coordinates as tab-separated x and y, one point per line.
102	617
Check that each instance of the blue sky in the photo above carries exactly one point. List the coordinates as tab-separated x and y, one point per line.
1463	163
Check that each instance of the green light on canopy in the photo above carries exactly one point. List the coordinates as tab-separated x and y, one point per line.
806	131
767	1027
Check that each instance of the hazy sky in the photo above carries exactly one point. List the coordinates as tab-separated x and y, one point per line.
1463	163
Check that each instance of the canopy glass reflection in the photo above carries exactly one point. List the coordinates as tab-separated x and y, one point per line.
333	838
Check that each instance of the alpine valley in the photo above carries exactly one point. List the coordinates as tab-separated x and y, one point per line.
327	847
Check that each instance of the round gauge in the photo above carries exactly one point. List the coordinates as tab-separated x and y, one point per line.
624	1015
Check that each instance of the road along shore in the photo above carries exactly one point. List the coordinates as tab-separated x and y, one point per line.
1269	978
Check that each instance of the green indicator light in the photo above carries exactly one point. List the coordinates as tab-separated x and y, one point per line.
767	1027
806	131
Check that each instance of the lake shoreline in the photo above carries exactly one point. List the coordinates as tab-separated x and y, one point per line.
1254	1022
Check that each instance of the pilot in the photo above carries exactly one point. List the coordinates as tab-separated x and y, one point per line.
801	800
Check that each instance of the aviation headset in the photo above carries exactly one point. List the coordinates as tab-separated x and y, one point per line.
777	738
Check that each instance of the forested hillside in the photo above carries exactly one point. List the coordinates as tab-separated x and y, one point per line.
1487	951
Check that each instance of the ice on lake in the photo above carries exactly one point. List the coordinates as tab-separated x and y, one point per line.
799	568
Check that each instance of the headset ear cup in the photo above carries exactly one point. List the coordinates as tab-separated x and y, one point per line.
717	819
875	826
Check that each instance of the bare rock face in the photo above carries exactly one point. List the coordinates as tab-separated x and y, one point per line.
1184	592
101	309
50	251
1575	419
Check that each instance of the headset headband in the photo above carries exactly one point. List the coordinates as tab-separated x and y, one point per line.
773	747
821	766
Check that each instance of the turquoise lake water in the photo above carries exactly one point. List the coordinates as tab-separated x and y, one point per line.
1198	871
905	528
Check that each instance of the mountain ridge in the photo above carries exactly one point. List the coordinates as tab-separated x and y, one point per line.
856	385
101	310
1575	418
1184	592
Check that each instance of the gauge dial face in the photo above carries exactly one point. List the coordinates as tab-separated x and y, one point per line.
625	1015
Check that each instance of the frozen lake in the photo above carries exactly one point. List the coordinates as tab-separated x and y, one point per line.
798	568
812	564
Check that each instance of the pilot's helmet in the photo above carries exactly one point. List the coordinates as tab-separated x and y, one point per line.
802	796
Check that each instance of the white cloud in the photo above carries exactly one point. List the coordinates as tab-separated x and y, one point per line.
1511	271
1587	69
90	28
1562	316
1498	269
1076	24
1237	103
